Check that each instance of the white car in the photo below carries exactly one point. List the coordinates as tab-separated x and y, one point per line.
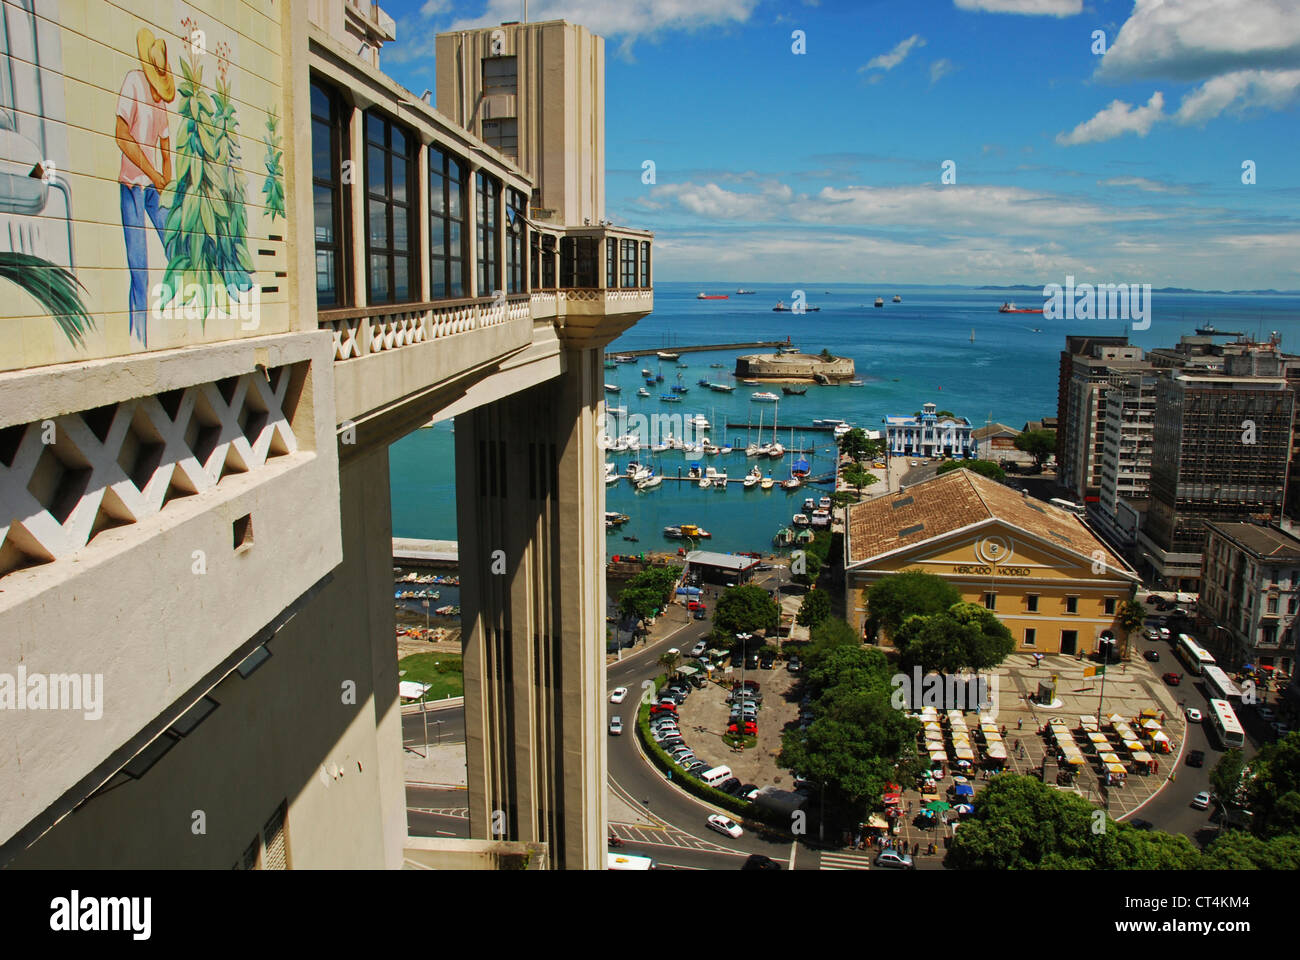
1202	800
619	695
674	651
1193	715
699	649
615	726
725	825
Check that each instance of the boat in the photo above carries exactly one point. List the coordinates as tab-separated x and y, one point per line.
612	388
972	334
764	397
699	422
804	536
611	365
821	518
665	355
611	479
759	448
702	382
1209	330
790	391
827	422
782	308
794	483
711	296
624	358
897	298
616	411
775	450
643	392
670	398
673	532
824	503
1010	307
880	301
721	387
617	519
633	539
646	372
680	388
712	450
842	429
717	366
650	482
715	475
724	449
856	383
662	447
691	530
783	538
650	381
683	364
743	293
809	504
636	472
800	520
618	446
767	482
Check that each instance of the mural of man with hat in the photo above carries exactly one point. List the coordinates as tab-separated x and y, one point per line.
144	136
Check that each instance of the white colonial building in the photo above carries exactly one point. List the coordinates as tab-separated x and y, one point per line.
929	435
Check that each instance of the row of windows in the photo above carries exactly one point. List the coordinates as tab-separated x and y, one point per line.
1031	603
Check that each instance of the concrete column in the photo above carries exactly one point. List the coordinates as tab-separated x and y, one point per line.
530	521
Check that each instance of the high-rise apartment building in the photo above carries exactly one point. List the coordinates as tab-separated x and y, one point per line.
1126	452
1089	366
1250	594
1220	448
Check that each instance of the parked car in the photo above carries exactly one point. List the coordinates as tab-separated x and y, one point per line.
700	612
660	708
1151	633
615	726
893	860
1152	655
725	825
731	786
1202	800
793	665
1164	633
1173	679
1193	715
766	660
699	649
749	728
749	792
1196	758
618	695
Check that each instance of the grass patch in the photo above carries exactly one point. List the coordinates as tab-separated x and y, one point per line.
444	671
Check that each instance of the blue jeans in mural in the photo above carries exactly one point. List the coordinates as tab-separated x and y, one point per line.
138	201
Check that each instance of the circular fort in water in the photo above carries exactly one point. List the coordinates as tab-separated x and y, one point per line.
794	367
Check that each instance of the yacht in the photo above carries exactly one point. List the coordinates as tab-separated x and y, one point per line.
724	449
800	520
842	429
752	478
699	422
794	483
809	505
612	388
650	482
824	503
611	472
617	446
664	355
712	450
636	473
767	482
764	397
776	451
705	483
662	447
715	475
643	392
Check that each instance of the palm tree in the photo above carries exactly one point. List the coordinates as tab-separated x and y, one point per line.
1132	615
55	288
669	662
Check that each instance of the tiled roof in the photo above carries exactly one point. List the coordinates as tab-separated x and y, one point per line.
1266	543
962	498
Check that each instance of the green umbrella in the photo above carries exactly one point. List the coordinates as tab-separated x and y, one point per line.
938	806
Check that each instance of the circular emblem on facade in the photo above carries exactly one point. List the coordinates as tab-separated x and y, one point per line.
994	550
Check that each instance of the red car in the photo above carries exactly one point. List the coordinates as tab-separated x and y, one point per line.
751	728
1173	679
659	708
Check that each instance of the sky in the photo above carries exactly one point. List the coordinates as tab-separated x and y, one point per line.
939	141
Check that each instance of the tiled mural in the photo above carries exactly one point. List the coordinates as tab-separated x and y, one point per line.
142	194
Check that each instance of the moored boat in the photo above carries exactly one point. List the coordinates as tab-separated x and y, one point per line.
791	391
880	301
764	396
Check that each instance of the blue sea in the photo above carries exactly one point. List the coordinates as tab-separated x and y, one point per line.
906	353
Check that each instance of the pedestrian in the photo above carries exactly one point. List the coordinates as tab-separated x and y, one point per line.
1020	723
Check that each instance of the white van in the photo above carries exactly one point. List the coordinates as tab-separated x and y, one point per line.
716	776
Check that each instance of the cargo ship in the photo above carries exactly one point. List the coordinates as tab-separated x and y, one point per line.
1010	307
711	296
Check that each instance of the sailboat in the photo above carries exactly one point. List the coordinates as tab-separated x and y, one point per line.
794	483
758	449
775	451
972	334
752	478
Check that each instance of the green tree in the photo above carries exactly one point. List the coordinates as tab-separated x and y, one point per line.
640	603
1227	777
1040	444
985	468
669	662
746	609
812	567
1132	615
966	636
1274	791
857	477
1239	850
815	608
859	446
892	599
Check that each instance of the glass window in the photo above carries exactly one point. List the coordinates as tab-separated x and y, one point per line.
390	166
516	230
1071	604
1031	602
502	135
500	75
611	262
645	263
627	277
485	227
991	601
329	140
548	261
1110	606
446	225
1030	634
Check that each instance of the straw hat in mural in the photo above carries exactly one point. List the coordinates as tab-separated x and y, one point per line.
153	59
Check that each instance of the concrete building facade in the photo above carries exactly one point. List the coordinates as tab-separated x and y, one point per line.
194	511
1250	594
929	434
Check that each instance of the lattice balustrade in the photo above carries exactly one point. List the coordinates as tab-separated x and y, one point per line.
347	341
65	480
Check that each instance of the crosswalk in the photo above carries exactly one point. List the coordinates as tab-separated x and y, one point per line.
662	835
845	861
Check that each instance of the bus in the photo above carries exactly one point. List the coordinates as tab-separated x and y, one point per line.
1193	654
1219	685
1226	724
627	861
1078	509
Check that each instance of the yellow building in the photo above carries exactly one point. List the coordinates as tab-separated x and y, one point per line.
1056	586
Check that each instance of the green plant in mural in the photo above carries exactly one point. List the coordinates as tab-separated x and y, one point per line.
207	249
273	185
54	287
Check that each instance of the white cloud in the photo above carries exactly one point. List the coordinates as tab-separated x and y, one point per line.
1189	40
1239	91
888	61
431	8
1041	8
1115	120
940	69
986	209
619	19
1142	183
